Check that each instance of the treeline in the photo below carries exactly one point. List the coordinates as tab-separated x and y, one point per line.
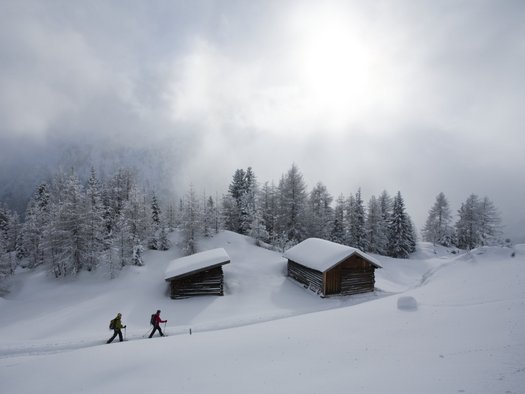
478	223
285	214
72	226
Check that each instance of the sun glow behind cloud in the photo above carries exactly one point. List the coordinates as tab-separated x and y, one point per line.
327	74
335	65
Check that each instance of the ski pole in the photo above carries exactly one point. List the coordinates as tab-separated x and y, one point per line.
125	333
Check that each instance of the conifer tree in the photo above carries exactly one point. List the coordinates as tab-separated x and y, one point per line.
153	242
37	217
268	209
320	212
232	203
95	227
376	230
191	222
292	206
9	238
478	223
338	232
401	240
438	228
356	236
489	223
67	228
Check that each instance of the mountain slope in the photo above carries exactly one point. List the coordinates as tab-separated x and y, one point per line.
466	334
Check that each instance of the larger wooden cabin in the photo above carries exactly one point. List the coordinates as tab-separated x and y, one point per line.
328	268
197	274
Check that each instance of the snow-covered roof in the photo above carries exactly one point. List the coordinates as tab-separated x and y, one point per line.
188	265
321	255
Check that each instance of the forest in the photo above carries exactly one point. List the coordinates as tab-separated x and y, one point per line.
105	224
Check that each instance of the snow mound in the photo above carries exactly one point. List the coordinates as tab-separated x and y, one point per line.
519	249
407	303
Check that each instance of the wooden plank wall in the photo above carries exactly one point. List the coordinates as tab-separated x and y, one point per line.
208	282
357	276
312	279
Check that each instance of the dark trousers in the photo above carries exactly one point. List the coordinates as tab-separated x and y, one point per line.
155	328
115	333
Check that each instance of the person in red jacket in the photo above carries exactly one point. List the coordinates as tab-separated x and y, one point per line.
156	324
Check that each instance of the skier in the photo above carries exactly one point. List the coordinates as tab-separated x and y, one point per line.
156	320
117	328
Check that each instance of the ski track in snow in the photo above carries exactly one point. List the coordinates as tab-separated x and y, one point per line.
60	347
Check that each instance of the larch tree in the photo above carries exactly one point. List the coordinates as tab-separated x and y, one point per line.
292	206
320	212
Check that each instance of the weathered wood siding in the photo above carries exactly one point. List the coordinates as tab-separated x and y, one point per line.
357	276
352	276
310	278
209	282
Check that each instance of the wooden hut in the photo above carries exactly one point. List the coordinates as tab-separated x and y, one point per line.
328	268
198	274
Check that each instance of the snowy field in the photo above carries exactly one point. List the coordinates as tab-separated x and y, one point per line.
438	323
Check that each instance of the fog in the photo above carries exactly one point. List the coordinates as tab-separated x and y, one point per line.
419	97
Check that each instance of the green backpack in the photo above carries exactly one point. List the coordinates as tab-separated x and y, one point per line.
112	324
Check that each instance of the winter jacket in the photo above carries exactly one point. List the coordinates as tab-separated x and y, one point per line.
158	320
118	324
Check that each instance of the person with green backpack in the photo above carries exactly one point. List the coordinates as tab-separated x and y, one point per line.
116	326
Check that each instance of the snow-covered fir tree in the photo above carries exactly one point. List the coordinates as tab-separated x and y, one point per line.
467	225
191	222
207	216
258	228
356	235
153	241
338	232
240	205
401	241
490	223
320	212
95	225
438	228
376	228
268	209
9	240
33	230
164	243
249	202
68	251
478	223
171	217
232	202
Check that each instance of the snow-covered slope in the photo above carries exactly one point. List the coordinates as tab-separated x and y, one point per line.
268	334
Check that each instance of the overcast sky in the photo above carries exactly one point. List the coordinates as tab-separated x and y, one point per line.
416	96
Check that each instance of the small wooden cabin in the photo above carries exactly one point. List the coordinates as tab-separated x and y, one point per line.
328	268
197	274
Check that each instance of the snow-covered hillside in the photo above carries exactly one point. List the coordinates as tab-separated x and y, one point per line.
438	323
